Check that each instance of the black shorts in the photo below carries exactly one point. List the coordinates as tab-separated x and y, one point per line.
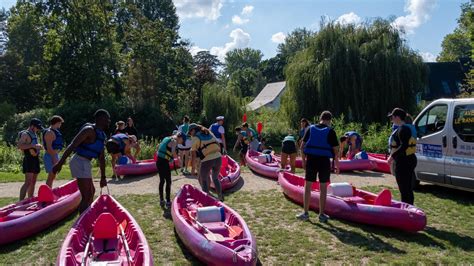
31	164
244	149
317	166
288	147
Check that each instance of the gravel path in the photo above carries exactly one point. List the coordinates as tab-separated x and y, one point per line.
250	182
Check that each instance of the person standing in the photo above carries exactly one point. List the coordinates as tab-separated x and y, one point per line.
288	151
88	144
219	132
130	128
28	143
119	127
166	154
53	144
243	142
206	147
184	150
319	145
403	149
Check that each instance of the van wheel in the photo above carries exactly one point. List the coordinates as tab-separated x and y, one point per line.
415	183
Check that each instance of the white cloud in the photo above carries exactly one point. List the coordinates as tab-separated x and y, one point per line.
349	18
278	37
418	13
247	10
428	57
238	20
209	9
195	49
240	39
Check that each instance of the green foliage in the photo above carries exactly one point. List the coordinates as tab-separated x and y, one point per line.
7	110
361	71
246	82
272	69
242	58
218	101
459	43
21	121
296	41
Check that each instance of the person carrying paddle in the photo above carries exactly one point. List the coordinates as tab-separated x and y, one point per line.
53	143
88	144
402	154
166	154
28	143
219	132
319	145
206	147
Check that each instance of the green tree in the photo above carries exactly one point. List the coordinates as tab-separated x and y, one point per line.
272	69
239	59
246	82
459	43
220	101
362	72
296	40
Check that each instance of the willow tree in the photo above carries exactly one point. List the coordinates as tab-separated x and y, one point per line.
361	71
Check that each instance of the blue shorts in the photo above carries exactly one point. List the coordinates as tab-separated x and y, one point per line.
48	162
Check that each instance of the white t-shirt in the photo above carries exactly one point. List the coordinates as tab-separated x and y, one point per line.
221	130
187	144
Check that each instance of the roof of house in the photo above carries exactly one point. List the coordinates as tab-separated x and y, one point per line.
444	79
269	93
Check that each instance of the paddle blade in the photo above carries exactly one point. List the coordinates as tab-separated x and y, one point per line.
214	237
235	231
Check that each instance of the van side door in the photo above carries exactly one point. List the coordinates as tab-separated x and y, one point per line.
431	148
460	159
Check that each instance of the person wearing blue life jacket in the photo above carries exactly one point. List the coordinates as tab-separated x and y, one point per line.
166	153
28	143
219	132
53	143
354	142
184	150
288	152
120	145
88	144
207	149
320	144
402	154
243	142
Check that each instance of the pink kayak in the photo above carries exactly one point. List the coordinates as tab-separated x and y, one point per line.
108	234
344	165
230	173
381	163
30	216
267	169
224	239
361	206
142	167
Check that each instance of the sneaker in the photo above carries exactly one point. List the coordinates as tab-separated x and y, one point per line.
304	216
221	198
168	204
162	203
323	218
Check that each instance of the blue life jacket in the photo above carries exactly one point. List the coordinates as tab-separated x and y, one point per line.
120	139
164	151
185	128
317	144
58	142
215	130
413	130
92	150
390	139
34	140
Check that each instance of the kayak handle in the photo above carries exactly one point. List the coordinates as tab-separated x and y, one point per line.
108	191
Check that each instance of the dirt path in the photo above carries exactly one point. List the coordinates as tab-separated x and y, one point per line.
250	182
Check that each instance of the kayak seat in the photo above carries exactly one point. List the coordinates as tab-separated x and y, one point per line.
106	239
16	214
218	228
384	198
45	194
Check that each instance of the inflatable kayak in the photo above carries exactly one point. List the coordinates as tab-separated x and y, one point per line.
268	166
356	205
142	167
30	216
344	165
212	231
380	161
108	234
230	173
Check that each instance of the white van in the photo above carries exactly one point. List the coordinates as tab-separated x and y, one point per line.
445	145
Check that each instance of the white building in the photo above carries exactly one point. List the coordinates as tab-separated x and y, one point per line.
270	96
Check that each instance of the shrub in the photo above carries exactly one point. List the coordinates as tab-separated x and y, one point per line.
6	111
21	121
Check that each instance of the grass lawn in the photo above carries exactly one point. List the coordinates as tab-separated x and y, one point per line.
65	174
282	240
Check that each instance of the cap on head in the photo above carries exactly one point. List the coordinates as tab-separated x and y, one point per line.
220	118
325	116
398	112
193	126
36	123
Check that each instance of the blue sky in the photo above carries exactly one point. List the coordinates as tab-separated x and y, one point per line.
221	25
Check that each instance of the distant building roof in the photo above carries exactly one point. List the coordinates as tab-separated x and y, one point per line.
444	80
269	93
